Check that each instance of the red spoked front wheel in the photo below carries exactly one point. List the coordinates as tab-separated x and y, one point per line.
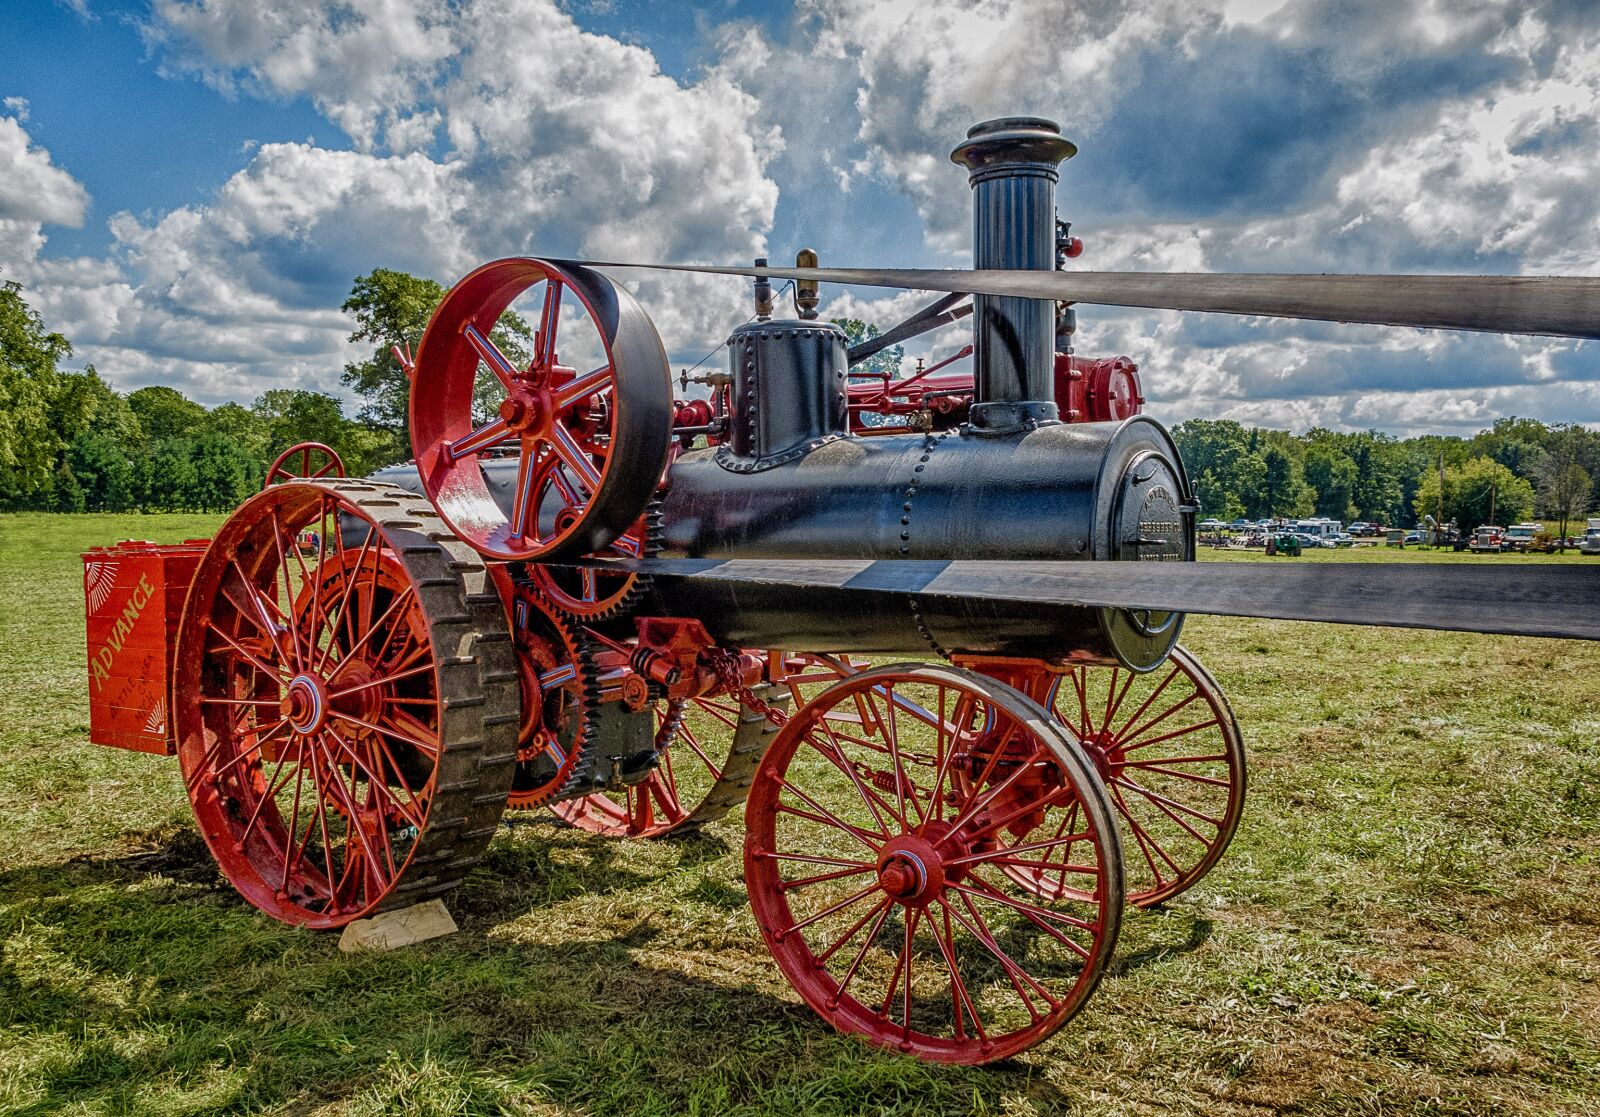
344	700
876	874
1168	747
592	440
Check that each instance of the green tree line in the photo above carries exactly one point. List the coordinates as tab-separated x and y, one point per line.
1515	469
70	442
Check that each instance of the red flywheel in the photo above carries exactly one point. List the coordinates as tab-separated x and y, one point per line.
591	442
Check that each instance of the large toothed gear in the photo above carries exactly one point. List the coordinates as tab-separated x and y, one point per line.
560	693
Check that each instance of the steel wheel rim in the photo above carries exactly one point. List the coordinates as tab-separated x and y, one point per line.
607	428
1169	748
283	467
956	916
348	743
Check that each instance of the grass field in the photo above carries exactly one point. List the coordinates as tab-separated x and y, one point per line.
1408	921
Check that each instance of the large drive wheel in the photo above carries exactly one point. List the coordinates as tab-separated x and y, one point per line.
345	702
876	875
699	780
592	444
1168	747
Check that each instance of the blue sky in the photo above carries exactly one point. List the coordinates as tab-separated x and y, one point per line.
188	187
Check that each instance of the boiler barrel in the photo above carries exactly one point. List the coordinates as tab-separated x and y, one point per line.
1084	491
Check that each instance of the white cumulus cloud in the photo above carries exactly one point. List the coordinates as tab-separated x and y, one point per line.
32	188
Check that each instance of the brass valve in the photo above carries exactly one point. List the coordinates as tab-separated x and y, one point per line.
806	294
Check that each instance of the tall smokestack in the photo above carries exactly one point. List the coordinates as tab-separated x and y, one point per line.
1012	166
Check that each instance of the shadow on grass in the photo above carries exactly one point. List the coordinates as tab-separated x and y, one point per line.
143	983
1196	936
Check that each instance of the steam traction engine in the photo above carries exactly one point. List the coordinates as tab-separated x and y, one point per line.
366	673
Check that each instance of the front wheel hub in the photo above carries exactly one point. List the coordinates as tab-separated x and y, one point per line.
910	871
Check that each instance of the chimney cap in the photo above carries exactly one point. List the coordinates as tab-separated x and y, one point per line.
1013	145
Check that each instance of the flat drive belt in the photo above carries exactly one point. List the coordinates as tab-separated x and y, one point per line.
1528	599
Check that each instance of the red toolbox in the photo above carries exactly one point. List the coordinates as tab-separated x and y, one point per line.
134	592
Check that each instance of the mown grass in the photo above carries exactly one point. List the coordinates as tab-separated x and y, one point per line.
1406	923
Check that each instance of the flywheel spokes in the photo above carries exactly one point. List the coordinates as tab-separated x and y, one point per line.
591	442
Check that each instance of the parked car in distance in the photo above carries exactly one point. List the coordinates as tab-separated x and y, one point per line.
1340	539
1413	537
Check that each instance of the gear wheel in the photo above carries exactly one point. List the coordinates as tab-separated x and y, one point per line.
589	596
560	690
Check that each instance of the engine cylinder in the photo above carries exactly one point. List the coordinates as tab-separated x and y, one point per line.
1080	491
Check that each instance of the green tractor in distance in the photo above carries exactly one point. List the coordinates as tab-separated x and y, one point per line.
1284	543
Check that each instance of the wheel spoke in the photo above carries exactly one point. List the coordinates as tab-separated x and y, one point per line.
837	874
522	510
885	907
562	442
582	387
1170	806
1144	840
301	655
1039	917
490	434
835	756
863	836
1030	847
960	998
281	672
687	737
1159	767
401	600
833	909
352	576
429	749
979	929
1172	734
767	855
491	356
1128	733
549	320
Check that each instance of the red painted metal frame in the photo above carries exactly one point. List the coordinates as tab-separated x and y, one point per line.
133	593
1104	389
